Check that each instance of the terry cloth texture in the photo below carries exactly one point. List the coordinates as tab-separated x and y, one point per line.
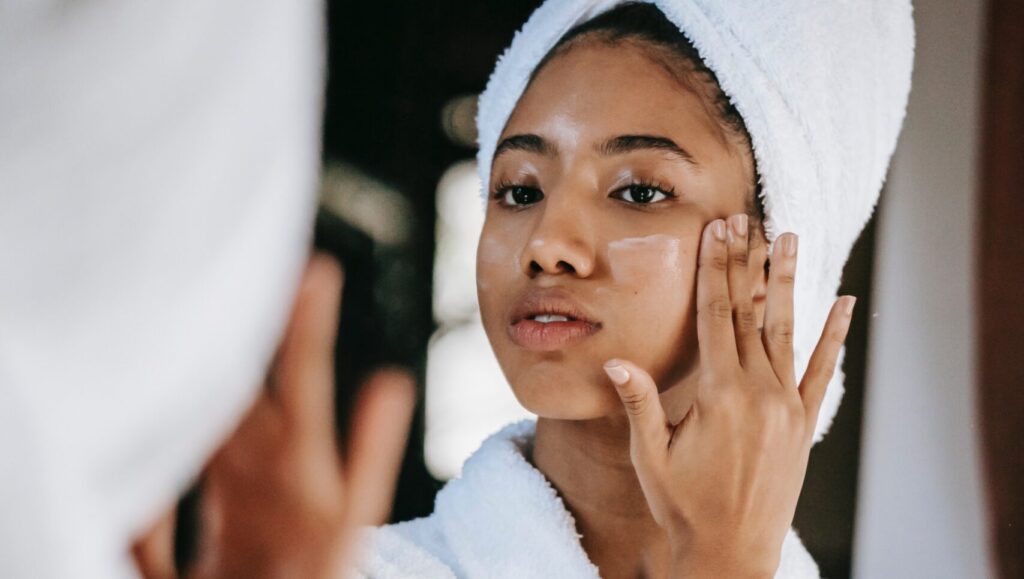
503	519
822	88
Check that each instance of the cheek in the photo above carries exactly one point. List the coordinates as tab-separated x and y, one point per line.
497	265
496	261
653	282
641	262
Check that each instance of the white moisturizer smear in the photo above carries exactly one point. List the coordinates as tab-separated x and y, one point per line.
644	259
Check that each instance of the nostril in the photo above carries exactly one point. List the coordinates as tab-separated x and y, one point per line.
560	267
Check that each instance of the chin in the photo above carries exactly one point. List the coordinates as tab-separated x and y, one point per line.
563	390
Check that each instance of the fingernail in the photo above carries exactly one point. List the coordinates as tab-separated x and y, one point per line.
738	225
718	228
848	304
790	245
617	373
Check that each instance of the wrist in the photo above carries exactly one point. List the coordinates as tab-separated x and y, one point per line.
714	569
719	561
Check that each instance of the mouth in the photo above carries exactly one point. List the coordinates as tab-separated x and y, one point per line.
549	320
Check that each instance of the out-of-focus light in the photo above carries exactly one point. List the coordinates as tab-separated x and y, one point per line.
458	120
460	217
366	203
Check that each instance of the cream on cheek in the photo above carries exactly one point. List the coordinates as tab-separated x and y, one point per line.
651	286
646	262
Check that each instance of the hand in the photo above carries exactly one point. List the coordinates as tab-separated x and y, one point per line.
276	499
724	482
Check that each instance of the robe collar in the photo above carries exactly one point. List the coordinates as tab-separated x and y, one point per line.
502	518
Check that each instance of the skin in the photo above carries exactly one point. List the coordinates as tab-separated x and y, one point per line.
676	435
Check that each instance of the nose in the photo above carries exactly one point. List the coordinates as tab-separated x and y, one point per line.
559	243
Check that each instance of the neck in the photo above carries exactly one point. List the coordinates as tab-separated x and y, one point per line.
588	462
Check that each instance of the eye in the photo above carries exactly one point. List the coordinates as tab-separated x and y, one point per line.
518	195
642	194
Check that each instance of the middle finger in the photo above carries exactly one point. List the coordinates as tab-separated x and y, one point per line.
714	310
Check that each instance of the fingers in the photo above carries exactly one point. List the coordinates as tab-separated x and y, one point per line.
304	373
714	309
380	427
649	429
778	314
822	364
748	339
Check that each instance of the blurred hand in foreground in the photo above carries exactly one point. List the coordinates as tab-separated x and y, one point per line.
278	500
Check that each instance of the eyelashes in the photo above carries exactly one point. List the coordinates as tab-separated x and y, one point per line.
512	195
642	192
639	192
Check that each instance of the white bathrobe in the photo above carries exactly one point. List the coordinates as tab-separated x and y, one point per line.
502	519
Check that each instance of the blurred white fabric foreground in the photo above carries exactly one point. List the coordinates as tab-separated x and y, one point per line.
157	179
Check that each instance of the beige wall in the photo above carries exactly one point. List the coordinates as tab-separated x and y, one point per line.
920	511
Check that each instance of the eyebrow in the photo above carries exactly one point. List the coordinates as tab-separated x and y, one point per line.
620	145
630	143
528	143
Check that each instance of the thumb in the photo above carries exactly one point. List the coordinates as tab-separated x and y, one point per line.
649	431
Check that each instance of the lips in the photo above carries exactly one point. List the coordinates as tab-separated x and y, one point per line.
548	320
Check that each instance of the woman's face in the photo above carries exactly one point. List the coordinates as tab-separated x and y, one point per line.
601	185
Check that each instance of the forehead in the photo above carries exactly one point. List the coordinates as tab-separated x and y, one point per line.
595	89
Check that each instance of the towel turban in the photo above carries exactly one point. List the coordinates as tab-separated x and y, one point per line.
822	88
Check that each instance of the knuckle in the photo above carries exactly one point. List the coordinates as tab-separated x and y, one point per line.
827	368
746	320
822	371
716	261
740	258
837	336
635	401
786	278
781	333
718	309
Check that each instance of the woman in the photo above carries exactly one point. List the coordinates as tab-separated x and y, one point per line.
642	303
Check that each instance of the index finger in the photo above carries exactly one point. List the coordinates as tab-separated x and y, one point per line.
714	309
